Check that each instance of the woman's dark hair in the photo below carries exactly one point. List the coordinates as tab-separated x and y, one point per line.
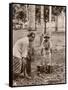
31	34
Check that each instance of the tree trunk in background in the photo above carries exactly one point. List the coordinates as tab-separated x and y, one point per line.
50	17
56	23
42	18
32	16
45	27
50	13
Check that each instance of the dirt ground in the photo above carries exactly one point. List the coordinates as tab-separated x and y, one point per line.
58	63
56	77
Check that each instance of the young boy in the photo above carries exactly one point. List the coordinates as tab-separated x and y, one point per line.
46	50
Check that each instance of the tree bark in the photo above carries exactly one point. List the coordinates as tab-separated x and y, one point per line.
56	23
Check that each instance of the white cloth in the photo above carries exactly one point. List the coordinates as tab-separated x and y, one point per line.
20	49
46	54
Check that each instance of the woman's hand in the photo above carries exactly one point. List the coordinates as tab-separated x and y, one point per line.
24	60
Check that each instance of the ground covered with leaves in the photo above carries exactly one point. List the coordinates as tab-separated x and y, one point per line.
57	76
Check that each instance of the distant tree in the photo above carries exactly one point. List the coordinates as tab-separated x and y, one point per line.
15	8
38	13
46	13
21	16
46	16
19	12
56	10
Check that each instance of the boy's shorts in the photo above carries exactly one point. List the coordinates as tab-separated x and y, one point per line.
46	58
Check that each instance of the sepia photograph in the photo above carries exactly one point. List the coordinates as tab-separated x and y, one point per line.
37	36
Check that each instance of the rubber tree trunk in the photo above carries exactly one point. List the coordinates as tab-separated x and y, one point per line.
45	28
56	23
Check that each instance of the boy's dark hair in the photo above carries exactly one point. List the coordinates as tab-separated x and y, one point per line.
46	36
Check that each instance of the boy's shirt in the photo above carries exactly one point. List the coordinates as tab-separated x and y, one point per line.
46	47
